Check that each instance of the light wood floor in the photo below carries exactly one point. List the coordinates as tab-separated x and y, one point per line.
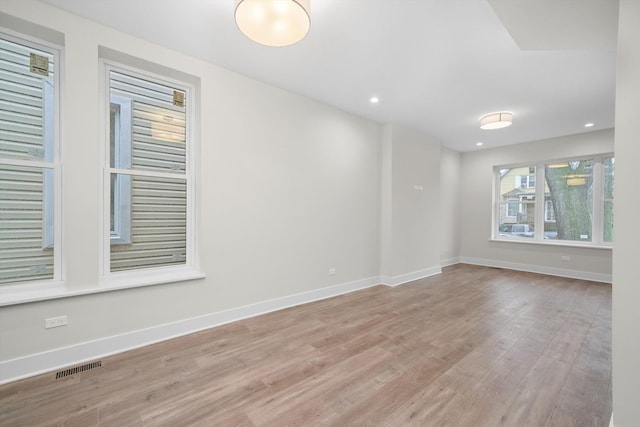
474	346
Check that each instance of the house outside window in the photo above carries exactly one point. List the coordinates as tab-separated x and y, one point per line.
517	202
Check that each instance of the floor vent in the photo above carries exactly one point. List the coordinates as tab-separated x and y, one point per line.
78	369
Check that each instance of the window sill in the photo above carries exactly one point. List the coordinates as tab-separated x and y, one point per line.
565	244
43	291
150	277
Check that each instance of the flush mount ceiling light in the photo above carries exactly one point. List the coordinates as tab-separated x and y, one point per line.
496	120
273	22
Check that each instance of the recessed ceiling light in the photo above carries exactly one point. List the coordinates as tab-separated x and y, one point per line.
588	125
479	144
374	100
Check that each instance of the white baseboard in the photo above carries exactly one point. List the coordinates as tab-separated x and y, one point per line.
410	277
449	261
551	271
35	364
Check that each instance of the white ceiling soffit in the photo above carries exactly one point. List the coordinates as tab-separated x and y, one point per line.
560	24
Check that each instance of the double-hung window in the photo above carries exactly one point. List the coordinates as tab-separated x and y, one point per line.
29	161
575	201
147	175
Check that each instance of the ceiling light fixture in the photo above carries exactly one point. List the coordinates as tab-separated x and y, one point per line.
273	22
374	100
479	144
496	120
588	125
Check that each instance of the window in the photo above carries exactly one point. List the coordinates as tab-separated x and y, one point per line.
569	186
577	195
147	174
526	181
549	214
513	207
517	201
29	162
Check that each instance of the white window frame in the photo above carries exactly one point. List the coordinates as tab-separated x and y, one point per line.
526	181
52	204
548	208
121	233
152	275
512	202
597	224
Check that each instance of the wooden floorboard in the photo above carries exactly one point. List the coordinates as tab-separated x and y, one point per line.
474	346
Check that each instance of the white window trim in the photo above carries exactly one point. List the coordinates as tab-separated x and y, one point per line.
19	292
154	275
121	234
548	203
597	224
49	156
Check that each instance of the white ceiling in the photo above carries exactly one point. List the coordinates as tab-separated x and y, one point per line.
436	65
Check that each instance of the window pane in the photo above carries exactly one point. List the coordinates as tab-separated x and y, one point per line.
158	224
157	129
517	202
569	189
23	252
27	110
609	167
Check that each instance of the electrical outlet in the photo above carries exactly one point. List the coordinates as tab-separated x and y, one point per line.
54	322
332	271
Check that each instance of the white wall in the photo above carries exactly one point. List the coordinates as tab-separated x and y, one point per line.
626	287
410	219
288	188
477	210
450	170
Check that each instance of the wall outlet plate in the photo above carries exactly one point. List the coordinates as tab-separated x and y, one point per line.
54	322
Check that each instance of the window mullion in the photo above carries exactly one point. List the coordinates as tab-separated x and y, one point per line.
149	173
540	202
597	198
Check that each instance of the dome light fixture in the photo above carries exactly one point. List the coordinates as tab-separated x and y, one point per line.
497	120
273	22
